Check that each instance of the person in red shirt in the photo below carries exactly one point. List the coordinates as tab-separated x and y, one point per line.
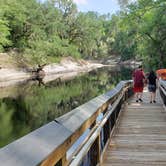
138	82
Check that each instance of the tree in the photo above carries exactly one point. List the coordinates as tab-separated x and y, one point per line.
4	33
124	3
151	30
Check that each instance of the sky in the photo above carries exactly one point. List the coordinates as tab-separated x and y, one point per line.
100	6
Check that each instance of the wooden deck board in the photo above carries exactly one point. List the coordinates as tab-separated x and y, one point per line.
140	137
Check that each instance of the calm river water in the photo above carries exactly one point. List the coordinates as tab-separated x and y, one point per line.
26	107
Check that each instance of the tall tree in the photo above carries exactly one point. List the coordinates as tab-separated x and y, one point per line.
124	3
151	30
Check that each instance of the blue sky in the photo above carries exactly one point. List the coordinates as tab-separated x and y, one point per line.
101	6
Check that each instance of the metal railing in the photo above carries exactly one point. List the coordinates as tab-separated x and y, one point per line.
162	90
78	138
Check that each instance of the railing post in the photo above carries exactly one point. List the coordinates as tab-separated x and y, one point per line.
106	129
95	153
64	160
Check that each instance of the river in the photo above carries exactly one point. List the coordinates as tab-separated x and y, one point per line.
26	107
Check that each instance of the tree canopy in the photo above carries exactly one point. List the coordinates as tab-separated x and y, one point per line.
54	29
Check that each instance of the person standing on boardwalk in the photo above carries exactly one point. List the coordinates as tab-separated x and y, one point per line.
138	82
152	79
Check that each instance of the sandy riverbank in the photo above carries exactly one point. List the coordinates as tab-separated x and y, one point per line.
67	68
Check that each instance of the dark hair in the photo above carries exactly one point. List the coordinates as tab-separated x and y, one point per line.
152	72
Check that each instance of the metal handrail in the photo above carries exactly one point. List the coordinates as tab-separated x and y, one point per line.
52	141
78	158
162	86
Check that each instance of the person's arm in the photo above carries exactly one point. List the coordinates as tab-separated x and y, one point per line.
144	78
133	75
143	75
147	79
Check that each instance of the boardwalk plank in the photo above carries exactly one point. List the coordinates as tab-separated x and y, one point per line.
140	136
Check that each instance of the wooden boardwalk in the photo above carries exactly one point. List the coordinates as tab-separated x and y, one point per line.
139	138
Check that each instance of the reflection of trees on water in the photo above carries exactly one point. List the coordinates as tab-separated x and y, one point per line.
6	125
37	105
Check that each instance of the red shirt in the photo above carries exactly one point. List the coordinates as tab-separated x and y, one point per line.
138	76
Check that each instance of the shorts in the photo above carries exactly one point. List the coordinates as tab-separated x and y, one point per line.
152	88
138	89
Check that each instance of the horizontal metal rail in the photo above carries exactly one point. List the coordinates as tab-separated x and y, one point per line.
49	145
161	86
78	158
162	89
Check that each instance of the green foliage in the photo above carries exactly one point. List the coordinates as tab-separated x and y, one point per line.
139	33
6	125
4	33
14	13
54	28
88	32
124	45
124	3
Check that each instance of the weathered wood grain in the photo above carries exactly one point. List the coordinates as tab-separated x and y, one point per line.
140	136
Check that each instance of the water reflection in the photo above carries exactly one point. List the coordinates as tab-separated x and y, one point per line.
29	106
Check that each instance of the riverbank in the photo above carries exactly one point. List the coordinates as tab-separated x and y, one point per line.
11	74
16	70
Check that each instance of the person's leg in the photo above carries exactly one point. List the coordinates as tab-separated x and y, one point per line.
136	96
140	96
153	97
150	88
